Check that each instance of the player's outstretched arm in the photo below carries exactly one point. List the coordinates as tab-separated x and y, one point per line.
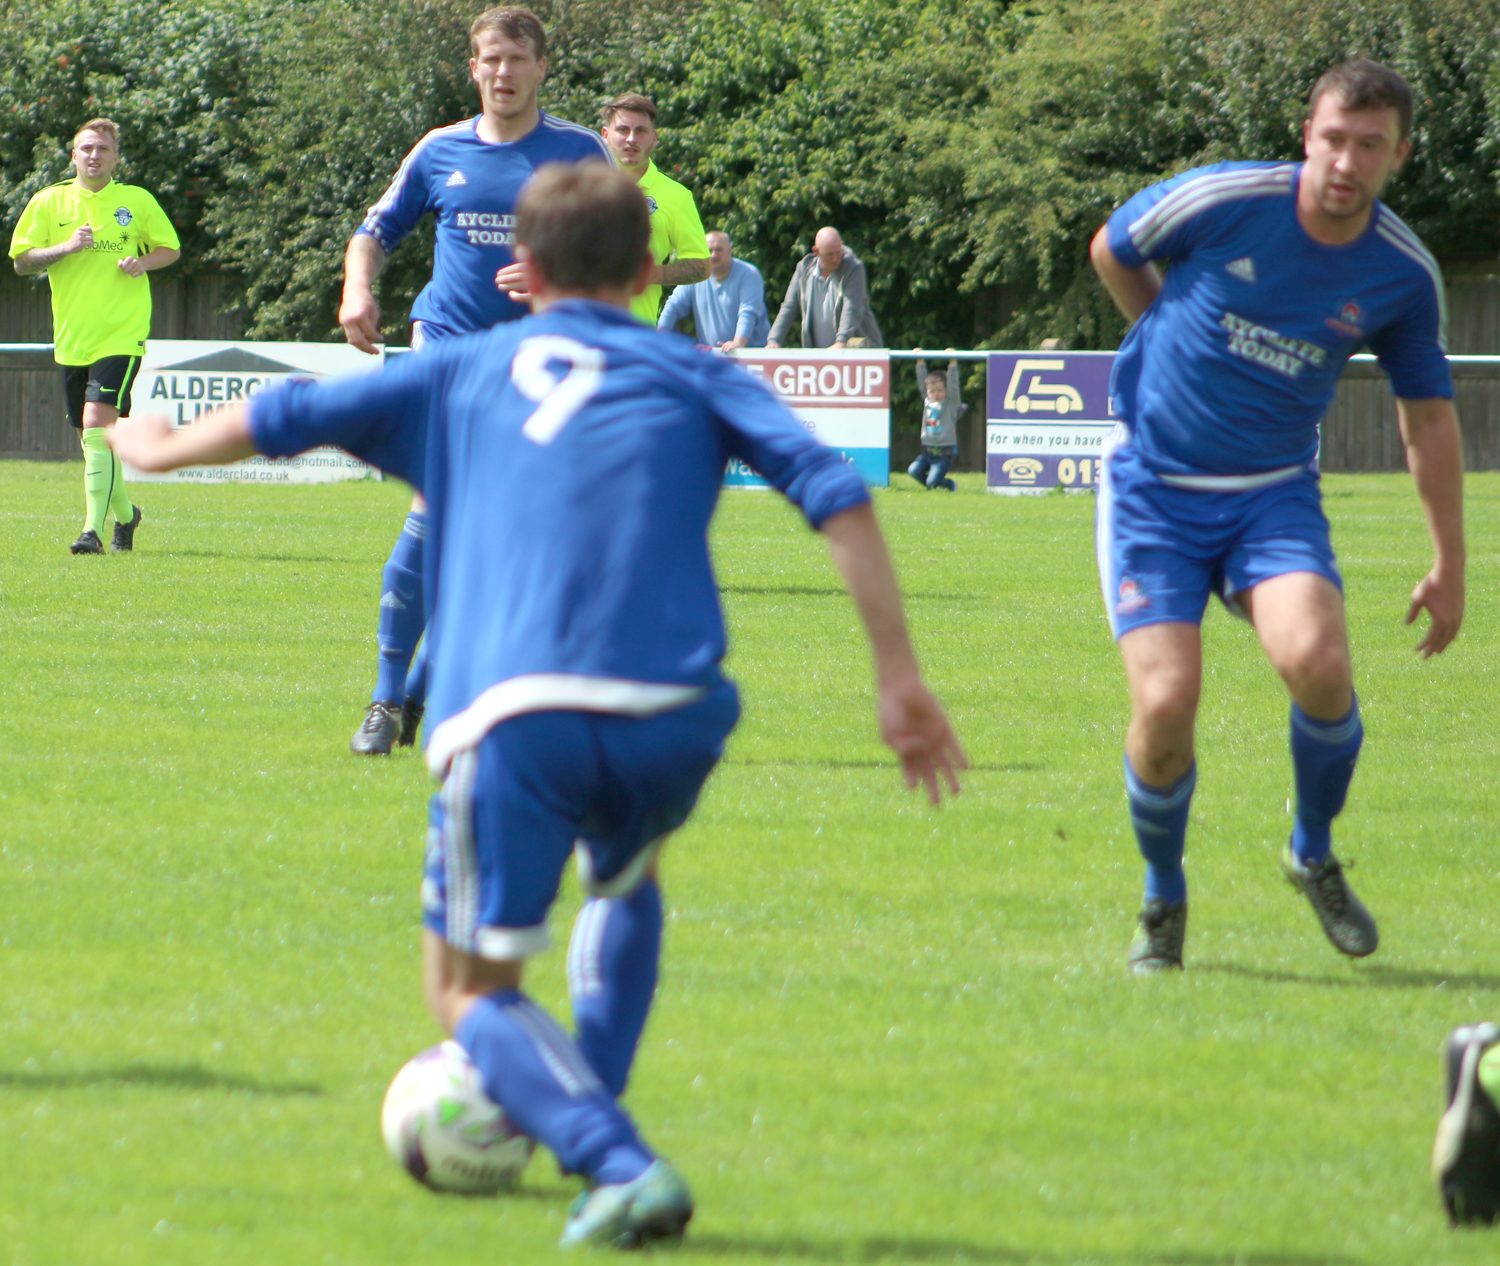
912	722
1435	456
359	312
1133	289
149	441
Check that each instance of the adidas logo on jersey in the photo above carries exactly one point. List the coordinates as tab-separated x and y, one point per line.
456	179
391	600
1243	268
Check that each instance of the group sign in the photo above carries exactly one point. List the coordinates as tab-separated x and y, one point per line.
185	377
1049	414
843	398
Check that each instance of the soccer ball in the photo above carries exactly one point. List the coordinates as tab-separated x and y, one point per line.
442	1128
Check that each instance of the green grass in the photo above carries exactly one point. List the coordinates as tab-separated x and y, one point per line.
884	1032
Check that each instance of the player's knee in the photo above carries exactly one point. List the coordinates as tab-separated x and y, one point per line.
1166	703
1319	666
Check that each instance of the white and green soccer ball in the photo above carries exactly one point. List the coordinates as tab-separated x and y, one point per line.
442	1128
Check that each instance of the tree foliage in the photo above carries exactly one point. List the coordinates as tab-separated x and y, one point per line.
966	149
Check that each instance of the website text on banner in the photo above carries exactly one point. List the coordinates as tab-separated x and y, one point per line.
843	398
1047	420
185	377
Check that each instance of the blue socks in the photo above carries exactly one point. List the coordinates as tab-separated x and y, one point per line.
532	1069
401	611
612	965
1160	817
416	675
1323	757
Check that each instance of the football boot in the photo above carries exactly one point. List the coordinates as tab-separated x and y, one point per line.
377	732
411	721
1466	1152
1349	927
1158	939
655	1206
124	537
87	543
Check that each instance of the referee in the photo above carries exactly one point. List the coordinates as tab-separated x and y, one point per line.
96	240
679	250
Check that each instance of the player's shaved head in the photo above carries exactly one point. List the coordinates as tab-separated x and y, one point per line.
1365	85
585	224
521	25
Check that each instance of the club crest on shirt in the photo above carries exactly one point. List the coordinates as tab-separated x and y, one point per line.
1350	321
650	204
1131	599
123	216
1243	268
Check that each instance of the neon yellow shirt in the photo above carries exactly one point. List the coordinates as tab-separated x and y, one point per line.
676	232
97	310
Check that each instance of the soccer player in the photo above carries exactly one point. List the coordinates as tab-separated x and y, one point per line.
573	462
96	240
679	247
1278	273
469	176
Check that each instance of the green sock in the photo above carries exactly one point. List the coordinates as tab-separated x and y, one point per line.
120	504
98	478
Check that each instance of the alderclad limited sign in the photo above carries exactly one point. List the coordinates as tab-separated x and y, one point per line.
1047	420
843	398
184	378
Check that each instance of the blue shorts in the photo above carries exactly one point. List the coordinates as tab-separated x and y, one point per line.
513	808
1163	549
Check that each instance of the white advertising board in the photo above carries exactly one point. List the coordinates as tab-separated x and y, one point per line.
185	377
843	398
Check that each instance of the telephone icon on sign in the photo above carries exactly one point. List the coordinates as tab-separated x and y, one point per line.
1044	397
1022	470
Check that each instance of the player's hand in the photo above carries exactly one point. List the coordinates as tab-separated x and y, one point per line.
144	440
359	314
772	345
132	266
81	240
914	726
512	279
1443	596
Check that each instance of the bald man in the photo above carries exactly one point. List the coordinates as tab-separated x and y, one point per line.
830	296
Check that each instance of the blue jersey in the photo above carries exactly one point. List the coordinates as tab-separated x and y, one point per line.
471	187
571	463
1233	366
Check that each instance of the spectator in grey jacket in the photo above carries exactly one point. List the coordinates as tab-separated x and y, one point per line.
941	409
831	297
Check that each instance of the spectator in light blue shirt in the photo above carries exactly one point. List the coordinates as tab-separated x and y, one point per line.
729	308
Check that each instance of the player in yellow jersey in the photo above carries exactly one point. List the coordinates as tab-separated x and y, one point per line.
679	249
96	240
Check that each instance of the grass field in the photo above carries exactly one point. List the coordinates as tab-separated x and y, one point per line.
884	1032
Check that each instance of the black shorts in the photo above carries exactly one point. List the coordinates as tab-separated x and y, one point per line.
106	381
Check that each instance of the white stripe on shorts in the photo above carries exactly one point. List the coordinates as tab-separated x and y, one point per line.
1104	500
460	864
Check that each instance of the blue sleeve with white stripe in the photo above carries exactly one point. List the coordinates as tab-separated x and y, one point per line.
1167	220
405	202
1412	349
764	434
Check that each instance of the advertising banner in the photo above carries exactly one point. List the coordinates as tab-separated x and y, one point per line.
185	377
1048	416
843	398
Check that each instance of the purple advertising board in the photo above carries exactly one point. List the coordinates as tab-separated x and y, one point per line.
1047	420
